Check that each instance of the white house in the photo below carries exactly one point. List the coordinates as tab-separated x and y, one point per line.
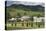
12	19
38	19
23	18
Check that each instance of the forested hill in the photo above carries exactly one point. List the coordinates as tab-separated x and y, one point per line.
24	10
28	7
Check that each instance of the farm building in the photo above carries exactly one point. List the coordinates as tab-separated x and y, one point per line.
28	18
38	19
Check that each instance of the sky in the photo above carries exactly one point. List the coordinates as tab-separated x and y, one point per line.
28	0
32	2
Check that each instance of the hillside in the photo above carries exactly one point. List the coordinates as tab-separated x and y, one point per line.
21	10
34	8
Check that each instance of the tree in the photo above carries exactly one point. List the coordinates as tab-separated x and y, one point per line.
32	18
18	14
27	24
31	24
25	13
22	24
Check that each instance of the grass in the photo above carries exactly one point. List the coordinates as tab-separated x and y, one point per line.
18	25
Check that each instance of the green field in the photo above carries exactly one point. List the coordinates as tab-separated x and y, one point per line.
24	25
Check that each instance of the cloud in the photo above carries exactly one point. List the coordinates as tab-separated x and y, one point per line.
24	3
29	0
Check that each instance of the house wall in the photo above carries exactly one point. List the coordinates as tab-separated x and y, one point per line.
38	19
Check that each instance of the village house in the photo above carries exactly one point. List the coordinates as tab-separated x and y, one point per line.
38	19
28	18
25	18
12	20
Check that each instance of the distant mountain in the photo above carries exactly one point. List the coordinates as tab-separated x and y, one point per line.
26	5
32	7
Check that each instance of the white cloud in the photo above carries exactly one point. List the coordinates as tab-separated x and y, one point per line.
24	2
29	0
